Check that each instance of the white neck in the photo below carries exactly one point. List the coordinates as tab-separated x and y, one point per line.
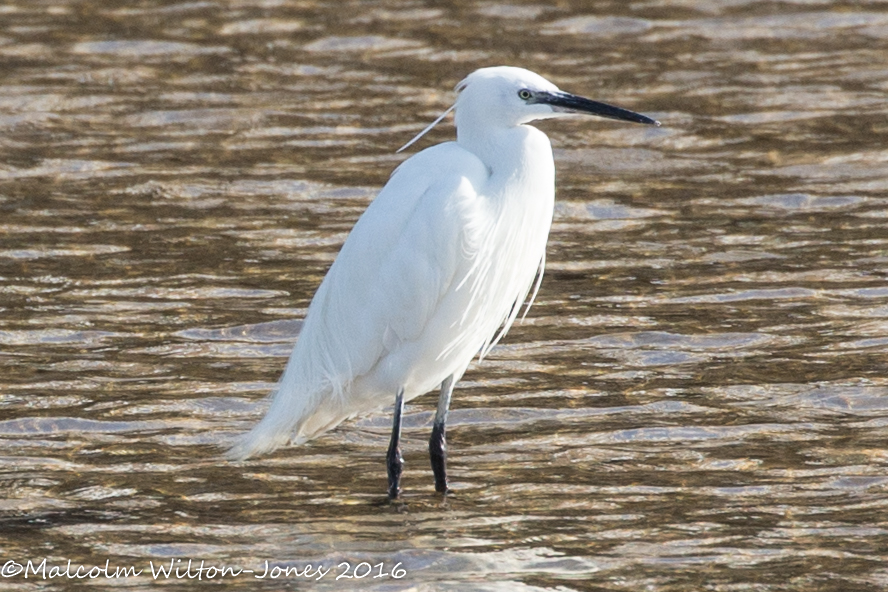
503	149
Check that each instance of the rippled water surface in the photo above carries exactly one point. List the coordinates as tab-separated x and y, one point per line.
698	400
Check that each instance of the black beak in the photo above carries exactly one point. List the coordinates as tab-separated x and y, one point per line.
568	103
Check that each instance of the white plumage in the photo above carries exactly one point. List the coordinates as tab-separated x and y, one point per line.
435	270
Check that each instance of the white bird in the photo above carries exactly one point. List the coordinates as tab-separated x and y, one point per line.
433	273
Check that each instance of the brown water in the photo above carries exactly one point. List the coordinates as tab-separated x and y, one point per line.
698	400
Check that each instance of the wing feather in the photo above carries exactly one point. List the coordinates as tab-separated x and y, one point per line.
398	262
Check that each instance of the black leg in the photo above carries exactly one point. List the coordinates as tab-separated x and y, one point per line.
394	461
438	441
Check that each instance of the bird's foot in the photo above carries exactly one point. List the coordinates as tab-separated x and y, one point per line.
395	464
438	456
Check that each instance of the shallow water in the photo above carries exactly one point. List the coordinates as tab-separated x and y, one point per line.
697	401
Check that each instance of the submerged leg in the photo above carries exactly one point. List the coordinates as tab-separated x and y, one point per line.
438	441
394	461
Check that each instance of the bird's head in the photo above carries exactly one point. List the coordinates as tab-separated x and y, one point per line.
507	96
504	96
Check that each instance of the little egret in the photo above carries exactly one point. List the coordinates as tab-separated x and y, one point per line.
433	273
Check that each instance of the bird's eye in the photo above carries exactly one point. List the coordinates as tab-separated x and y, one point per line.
524	94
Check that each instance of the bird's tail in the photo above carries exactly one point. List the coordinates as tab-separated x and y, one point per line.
292	404
273	431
